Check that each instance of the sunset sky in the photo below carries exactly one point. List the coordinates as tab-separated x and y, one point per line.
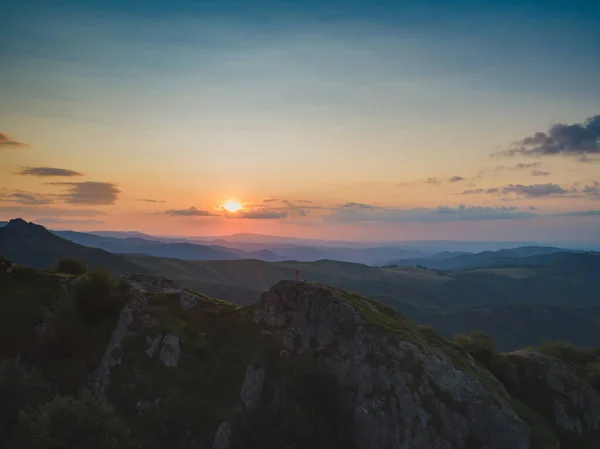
364	120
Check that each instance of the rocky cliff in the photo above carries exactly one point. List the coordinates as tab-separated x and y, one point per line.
313	366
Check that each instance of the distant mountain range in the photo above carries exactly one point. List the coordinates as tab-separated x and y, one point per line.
454	261
183	250
521	296
225	250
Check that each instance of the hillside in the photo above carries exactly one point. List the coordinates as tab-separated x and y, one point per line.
307	365
508	257
33	245
452	301
449	300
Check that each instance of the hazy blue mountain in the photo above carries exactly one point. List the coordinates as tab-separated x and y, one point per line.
188	251
451	261
33	245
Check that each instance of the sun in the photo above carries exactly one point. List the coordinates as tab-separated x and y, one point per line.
232	206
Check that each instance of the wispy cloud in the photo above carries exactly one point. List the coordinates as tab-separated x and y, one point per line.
579	139
57	220
190	212
433	181
95	193
26	197
422	214
534	190
266	214
147	200
455	179
48	172
357	205
521	166
47	211
540	173
7	142
527	191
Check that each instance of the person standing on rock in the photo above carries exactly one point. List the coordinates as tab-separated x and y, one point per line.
297	274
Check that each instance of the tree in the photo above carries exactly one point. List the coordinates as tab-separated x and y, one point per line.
66	422
97	297
68	265
480	345
20	387
67	328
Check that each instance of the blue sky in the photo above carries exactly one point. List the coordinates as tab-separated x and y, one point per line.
194	102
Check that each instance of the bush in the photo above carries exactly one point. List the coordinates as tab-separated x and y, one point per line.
67	328
68	265
20	387
97	297
66	422
480	345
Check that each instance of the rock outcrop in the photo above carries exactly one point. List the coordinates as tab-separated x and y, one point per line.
404	393
397	386
554	390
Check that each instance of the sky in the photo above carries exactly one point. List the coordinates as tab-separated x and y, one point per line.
365	120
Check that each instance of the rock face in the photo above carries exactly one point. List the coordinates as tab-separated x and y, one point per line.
404	395
550	386
170	350
100	379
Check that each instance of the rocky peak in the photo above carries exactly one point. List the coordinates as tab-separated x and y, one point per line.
404	392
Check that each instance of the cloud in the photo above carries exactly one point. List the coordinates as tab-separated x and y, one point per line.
478	191
267	214
270	200
593	191
151	201
190	212
57	220
520	166
579	213
26	197
6	142
41	210
304	212
579	140
540	173
48	171
433	181
357	205
99	193
526	191
455	179
534	190
422	214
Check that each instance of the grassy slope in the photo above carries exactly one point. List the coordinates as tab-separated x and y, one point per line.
528	300
27	297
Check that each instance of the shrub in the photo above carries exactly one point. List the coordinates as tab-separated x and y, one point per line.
20	387
480	345
66	422
72	266
67	328
560	349
97	297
